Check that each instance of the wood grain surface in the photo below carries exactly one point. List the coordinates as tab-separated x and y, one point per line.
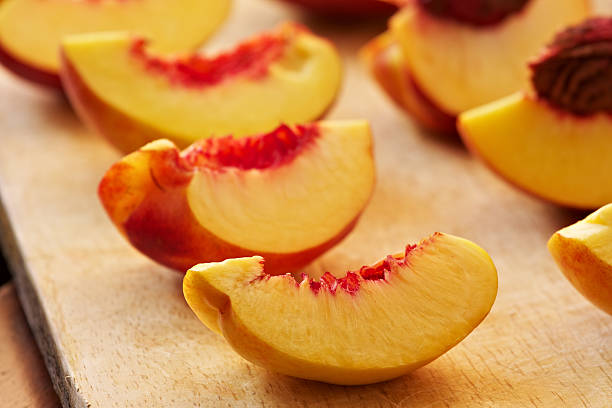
116	332
24	382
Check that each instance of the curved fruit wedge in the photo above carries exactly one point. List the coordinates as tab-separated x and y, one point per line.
347	8
552	154
31	30
583	251
289	195
372	325
132	97
385	59
460	65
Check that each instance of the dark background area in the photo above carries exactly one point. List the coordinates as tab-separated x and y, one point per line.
5	276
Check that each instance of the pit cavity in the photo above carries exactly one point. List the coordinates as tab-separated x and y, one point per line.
265	151
351	282
250	59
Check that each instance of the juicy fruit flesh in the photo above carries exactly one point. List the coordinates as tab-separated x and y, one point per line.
176	26
294	206
558	157
583	252
424	306
297	88
251	59
460	67
474	12
256	152
299	191
575	71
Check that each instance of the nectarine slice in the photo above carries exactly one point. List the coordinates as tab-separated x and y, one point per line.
132	97
288	195
555	141
460	55
385	59
552	155
31	30
372	325
583	251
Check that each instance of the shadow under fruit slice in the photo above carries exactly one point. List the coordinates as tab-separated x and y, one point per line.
289	195
372	325
460	54
347	8
583	251
132	97
31	30
555	141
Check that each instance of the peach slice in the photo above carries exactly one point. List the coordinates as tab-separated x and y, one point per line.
132	97
288	195
31	30
555	142
583	251
460	55
386	61
372	325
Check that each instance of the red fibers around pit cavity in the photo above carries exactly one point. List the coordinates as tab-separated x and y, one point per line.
250	59
352	281
256	152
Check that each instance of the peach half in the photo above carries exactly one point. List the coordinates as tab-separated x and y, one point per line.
555	141
288	195
31	30
372	325
583	251
133	97
457	55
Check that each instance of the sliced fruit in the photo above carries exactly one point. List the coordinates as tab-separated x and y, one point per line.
132	97
347	8
386	61
550	154
460	55
583	251
289	195
556	141
31	30
372	325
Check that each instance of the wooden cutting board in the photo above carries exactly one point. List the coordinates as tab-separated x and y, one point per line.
24	382
114	328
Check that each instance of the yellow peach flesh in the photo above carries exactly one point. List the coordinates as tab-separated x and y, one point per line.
297	88
308	204
290	212
461	67
31	30
583	252
555	155
386	329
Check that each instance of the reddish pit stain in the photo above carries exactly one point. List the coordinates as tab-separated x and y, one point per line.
256	152
250	59
352	281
